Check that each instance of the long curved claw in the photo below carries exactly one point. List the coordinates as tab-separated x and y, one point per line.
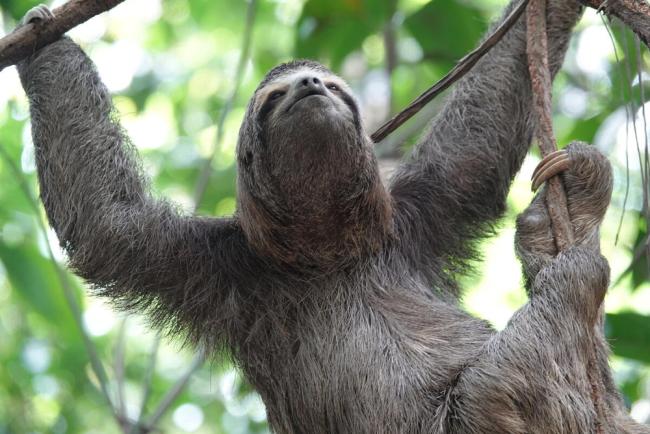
546	159
37	14
551	165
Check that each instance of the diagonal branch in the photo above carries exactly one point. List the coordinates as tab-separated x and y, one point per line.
27	39
457	72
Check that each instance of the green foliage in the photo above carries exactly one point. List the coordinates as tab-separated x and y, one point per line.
171	66
30	275
435	23
629	334
348	22
17	9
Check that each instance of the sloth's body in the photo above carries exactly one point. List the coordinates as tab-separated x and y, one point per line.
360	351
335	293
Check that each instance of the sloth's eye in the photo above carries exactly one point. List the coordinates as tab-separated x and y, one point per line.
332	86
276	95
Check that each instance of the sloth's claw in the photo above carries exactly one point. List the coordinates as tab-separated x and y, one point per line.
37	14
551	165
549	157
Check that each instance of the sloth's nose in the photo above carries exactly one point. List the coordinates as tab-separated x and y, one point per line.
309	83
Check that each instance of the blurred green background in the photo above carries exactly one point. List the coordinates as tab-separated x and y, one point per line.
172	67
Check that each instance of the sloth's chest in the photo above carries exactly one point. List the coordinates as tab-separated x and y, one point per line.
334	362
336	377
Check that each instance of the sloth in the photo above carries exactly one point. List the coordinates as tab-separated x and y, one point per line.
334	292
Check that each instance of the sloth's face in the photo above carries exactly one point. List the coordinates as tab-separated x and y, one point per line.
303	123
303	102
307	170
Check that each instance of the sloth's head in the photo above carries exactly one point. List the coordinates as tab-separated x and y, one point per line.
307	171
305	102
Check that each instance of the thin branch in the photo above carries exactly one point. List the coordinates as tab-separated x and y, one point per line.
540	77
148	378
175	391
118	367
206	170
25	40
458	71
390	51
137	426
635	14
640	251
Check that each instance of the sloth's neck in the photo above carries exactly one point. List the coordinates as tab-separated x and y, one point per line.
325	230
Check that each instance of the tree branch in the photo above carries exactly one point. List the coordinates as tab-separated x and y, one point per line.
556	202
27	39
462	67
635	14
540	77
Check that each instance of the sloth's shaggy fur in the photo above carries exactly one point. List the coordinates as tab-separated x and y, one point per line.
335	294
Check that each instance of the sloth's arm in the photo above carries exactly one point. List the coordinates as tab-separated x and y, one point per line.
133	248
531	376
454	185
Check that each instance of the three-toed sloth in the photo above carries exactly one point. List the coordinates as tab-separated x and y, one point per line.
334	292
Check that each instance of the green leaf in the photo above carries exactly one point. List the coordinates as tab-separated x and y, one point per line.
333	29
629	335
17	9
583	130
34	279
446	29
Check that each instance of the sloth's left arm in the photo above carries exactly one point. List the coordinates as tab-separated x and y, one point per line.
454	185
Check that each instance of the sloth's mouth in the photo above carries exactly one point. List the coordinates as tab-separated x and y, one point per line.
305	95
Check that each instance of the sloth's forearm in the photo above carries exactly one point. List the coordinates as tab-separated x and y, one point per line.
562	310
85	170
479	140
501	391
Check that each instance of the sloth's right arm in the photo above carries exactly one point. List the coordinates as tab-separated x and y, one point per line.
588	184
138	250
531	376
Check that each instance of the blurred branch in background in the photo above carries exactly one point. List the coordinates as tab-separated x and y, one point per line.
390	48
244	57
145	425
68	292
